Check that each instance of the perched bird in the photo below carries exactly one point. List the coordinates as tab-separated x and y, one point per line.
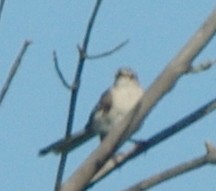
113	106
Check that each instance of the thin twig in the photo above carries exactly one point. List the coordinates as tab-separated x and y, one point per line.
140	147
75	91
64	82
208	158
1	7
202	66
109	52
13	70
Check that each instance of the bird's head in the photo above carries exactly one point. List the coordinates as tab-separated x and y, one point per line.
125	76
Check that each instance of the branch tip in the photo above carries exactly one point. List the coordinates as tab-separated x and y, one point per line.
211	152
202	66
58	70
109	52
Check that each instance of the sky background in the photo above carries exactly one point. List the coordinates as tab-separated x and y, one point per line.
34	112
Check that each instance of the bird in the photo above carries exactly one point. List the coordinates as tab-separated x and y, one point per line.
113	106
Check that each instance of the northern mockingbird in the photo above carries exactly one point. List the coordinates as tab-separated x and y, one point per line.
113	106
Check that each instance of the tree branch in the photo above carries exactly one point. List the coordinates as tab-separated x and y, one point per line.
61	77
121	159
13	70
208	158
163	84
74	92
109	52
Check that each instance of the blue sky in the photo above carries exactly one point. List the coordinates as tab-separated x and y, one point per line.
35	109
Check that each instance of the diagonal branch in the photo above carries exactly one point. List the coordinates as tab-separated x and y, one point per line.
163	84
13	70
75	91
208	158
121	159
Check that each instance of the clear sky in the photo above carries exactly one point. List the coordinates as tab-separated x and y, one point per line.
34	112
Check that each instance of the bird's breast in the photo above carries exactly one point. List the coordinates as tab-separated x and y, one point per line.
125	99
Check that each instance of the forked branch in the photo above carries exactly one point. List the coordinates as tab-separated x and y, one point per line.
74	92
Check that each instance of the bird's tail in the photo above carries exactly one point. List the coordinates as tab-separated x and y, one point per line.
68	144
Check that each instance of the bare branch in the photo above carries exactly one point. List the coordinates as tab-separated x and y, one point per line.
64	82
122	158
1	7
13	70
109	52
74	92
203	66
209	157
164	83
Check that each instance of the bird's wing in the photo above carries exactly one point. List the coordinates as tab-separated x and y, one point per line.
103	106
75	140
102	109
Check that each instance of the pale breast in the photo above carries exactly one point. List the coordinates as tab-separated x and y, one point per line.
124	99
